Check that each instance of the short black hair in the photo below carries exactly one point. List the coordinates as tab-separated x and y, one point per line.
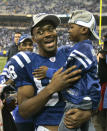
17	32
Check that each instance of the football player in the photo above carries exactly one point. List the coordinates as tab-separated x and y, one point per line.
37	97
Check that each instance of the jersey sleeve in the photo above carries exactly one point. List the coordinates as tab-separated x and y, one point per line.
4	76
83	57
17	69
94	88
50	72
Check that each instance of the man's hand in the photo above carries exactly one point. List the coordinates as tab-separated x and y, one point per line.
62	80
40	73
10	102
75	117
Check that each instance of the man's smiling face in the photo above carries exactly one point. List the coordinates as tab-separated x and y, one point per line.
45	36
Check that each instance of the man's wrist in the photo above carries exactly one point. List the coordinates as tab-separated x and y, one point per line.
50	90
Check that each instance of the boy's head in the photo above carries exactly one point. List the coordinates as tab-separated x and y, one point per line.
84	22
25	43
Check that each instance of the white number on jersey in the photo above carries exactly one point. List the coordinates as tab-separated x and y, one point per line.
12	72
54	98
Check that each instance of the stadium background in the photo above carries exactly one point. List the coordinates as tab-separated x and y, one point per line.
16	15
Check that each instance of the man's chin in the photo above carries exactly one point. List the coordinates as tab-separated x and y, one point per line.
52	50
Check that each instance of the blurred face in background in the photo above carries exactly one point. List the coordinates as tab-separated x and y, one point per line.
27	45
16	37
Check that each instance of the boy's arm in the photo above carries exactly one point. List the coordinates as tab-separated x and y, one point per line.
43	72
50	72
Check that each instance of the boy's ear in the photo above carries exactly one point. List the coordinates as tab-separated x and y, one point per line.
33	39
85	30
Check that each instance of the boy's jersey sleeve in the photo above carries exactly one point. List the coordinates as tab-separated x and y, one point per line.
83	57
94	88
17	68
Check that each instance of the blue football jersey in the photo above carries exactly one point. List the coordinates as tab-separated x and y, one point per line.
21	67
88	86
14	67
4	76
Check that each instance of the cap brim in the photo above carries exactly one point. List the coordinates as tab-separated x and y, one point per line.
24	40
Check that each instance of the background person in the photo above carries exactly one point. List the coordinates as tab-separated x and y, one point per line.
7	107
25	44
100	119
14	48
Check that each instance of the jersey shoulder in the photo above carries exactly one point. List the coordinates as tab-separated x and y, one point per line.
18	64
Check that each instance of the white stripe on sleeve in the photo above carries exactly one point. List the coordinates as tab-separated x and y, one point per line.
25	56
84	56
79	59
17	59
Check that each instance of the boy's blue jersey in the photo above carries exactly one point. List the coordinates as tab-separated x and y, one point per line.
88	86
21	67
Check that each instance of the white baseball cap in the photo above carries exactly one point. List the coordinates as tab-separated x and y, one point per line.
86	19
43	16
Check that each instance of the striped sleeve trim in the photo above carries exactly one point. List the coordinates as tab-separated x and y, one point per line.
25	56
84	56
19	62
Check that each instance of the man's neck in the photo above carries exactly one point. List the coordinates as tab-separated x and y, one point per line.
48	55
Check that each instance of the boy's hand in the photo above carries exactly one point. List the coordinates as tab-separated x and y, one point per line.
40	73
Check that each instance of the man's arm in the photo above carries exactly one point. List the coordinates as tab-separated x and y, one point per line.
30	104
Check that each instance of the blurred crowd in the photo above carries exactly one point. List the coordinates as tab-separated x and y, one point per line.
7	35
52	6
39	6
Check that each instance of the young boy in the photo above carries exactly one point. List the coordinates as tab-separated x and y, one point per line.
84	94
